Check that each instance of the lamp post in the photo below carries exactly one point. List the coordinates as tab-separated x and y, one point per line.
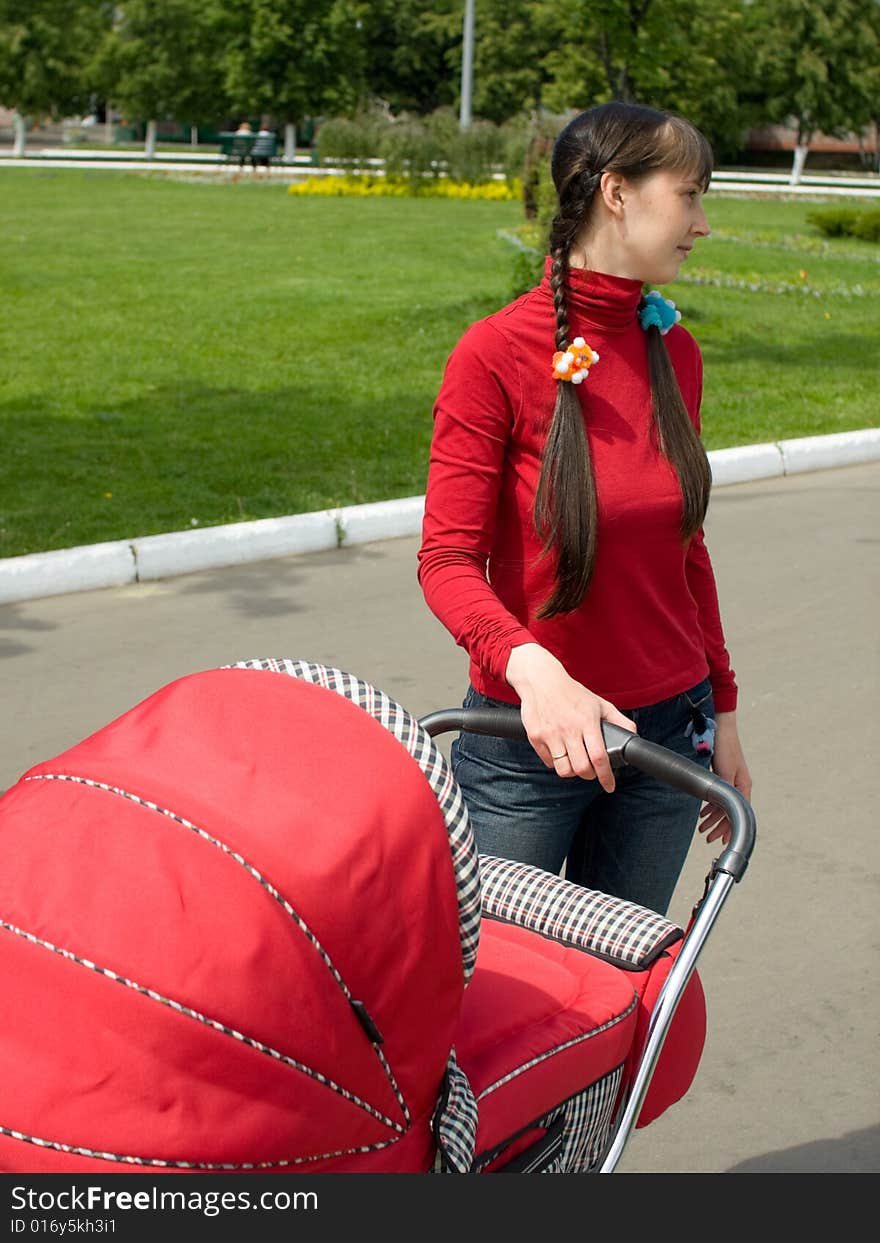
467	65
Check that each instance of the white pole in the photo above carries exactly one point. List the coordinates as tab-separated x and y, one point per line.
467	65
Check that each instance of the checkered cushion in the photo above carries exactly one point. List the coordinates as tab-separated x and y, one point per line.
619	932
586	1126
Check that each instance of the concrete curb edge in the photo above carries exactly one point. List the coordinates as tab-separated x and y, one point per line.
121	562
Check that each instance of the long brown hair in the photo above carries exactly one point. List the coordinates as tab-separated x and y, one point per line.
634	141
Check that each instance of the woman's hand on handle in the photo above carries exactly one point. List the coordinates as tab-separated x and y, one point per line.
729	764
562	718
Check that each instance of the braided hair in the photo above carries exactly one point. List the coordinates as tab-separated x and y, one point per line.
634	141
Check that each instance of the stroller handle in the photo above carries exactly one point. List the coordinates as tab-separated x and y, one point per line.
624	748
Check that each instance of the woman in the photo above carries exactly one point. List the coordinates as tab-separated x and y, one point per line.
562	541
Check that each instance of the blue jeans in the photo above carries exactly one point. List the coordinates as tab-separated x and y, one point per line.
631	843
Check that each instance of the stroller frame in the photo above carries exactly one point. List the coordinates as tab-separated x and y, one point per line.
626	748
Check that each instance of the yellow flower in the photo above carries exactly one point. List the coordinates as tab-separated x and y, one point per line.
397	187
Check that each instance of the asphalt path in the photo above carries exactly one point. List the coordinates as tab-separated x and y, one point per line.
789	1077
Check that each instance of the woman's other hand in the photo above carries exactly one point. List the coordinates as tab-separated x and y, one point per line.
563	720
729	764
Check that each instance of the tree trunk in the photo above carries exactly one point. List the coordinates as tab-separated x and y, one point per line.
19	130
604	50
797	165
150	144
193	135
625	89
289	142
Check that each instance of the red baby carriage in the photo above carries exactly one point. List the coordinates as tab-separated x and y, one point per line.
244	927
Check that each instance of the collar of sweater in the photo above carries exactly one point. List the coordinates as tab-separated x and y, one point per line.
598	300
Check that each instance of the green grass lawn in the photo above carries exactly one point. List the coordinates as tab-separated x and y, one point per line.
180	352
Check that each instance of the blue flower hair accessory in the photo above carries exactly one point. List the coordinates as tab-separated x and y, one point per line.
659	312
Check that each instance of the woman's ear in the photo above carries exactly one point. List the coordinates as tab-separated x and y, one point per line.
611	188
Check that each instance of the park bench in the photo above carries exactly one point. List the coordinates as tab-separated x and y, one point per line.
236	147
264	149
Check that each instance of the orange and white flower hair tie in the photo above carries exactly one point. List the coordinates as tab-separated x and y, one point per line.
574	363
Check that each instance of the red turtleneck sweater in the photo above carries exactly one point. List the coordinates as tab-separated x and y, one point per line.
649	626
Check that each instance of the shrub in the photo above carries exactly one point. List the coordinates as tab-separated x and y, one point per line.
539	193
485	149
867	227
419	147
411	150
527	271
443	124
350	142
475	154
836	221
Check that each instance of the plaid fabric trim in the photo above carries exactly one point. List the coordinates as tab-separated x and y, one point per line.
588	1125
620	932
586	1128
282	902
158	1163
455	1122
407	731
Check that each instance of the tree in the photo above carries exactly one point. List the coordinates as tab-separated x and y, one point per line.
701	64
688	56
513	40
163	60
617	45
815	58
867	76
294	58
412	52
45	53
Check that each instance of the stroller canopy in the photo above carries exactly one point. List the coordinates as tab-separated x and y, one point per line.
239	923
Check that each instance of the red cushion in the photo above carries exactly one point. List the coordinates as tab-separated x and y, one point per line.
552	1018
683	1047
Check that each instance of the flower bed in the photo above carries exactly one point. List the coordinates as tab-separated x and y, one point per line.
365	186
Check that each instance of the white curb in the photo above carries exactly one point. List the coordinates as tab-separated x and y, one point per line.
360	524
185	552
67	569
745	463
182	552
841	449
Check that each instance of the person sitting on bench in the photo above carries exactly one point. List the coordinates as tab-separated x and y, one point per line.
263	149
